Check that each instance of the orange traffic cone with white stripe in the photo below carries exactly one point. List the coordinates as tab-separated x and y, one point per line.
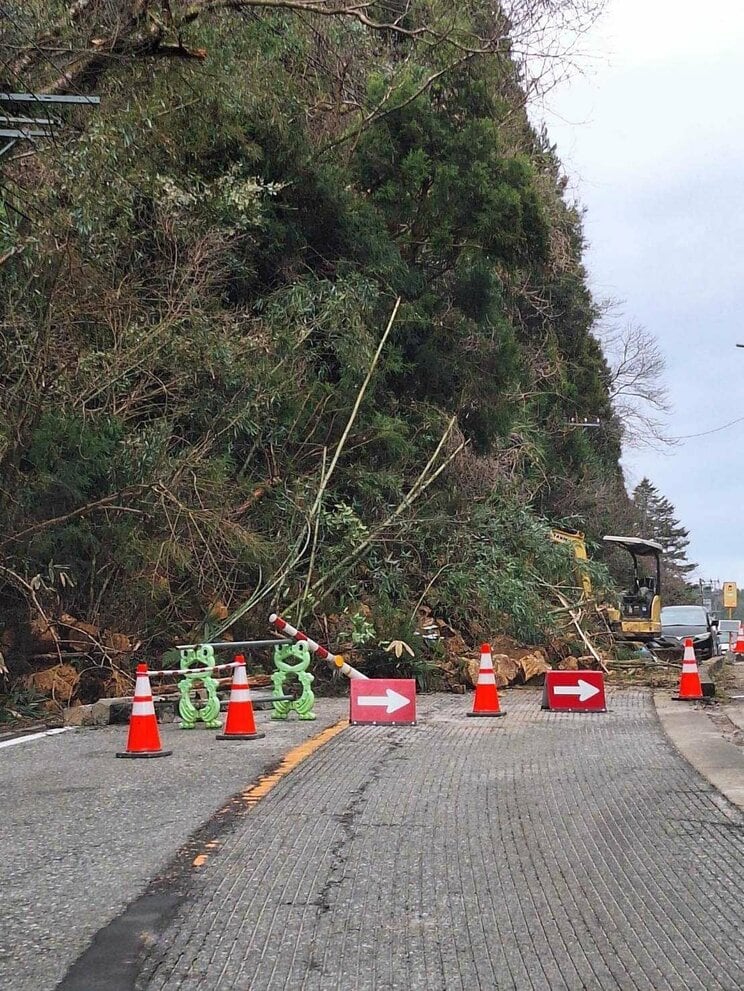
486	701
144	737
739	645
240	723
689	682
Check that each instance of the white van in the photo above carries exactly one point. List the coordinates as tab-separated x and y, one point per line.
727	630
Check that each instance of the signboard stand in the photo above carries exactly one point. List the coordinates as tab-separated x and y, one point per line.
388	701
574	691
729	597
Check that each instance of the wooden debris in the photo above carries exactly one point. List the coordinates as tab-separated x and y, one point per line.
77	634
472	667
507	670
119	683
575	615
44	636
117	643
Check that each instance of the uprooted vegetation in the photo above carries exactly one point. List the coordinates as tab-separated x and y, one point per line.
300	325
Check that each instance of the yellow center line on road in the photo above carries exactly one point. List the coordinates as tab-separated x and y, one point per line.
251	796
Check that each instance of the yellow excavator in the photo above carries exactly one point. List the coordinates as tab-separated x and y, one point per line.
575	540
637	616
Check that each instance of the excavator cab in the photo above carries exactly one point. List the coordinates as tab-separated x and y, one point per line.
639	614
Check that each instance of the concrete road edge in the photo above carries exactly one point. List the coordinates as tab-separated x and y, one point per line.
695	736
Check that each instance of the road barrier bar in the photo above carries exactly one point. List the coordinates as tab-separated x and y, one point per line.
351	673
230	644
192	671
315	648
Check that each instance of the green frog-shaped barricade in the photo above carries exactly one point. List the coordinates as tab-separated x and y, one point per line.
203	658
303	705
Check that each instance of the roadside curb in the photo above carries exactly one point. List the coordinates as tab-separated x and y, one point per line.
713	667
116	711
693	734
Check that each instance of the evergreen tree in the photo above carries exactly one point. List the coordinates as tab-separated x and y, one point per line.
643	498
656	520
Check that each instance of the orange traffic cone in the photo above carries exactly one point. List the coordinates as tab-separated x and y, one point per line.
486	701
689	682
240	723
739	645
144	738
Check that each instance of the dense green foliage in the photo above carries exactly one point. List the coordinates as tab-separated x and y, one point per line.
199	287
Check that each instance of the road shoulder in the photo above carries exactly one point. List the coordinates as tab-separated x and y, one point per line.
696	732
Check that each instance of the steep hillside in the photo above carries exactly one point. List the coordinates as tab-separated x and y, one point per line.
296	318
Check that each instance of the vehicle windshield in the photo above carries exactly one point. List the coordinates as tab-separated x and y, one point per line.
683	616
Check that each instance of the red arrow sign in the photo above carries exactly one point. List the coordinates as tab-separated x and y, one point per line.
574	691
383	700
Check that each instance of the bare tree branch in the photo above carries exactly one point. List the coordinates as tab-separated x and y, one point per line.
637	391
535	33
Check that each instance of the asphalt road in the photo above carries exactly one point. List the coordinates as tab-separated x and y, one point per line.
82	834
539	851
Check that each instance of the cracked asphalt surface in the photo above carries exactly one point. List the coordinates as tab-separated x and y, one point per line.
82	834
541	851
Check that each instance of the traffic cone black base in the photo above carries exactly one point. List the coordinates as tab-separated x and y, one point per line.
240	736
485	714
148	753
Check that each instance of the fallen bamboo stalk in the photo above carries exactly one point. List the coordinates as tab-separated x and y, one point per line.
575	617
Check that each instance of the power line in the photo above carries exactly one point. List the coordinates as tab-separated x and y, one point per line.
714	430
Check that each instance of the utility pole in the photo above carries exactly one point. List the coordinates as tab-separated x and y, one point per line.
585	423
18	126
29	117
711	595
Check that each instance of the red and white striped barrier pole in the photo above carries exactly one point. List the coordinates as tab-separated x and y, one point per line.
315	648
192	671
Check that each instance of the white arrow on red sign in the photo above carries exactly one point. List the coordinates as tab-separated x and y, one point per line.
391	701
582	690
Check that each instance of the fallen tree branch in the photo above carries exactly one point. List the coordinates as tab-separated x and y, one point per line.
314	546
259	493
575	617
355	409
104	503
28	590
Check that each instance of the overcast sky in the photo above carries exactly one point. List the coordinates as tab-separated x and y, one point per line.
652	138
